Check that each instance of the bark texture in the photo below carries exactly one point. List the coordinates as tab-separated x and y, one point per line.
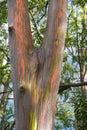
36	73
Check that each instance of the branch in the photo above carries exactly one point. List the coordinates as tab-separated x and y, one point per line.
62	87
45	11
12	126
35	25
66	86
9	91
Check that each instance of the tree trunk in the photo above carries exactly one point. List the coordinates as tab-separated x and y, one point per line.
83	78
83	71
36	72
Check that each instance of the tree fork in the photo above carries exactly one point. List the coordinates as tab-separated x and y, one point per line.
36	73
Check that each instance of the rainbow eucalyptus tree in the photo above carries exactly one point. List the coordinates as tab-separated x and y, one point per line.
36	72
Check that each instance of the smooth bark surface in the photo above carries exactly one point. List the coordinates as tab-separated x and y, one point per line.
36	73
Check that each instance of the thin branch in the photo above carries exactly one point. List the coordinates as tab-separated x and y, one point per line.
5	92
35	25
45	11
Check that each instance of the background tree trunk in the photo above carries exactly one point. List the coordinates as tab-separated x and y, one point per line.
83	78
36	73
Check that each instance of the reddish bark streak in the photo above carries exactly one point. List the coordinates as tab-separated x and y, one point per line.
61	3
54	77
20	38
60	13
44	113
23	68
